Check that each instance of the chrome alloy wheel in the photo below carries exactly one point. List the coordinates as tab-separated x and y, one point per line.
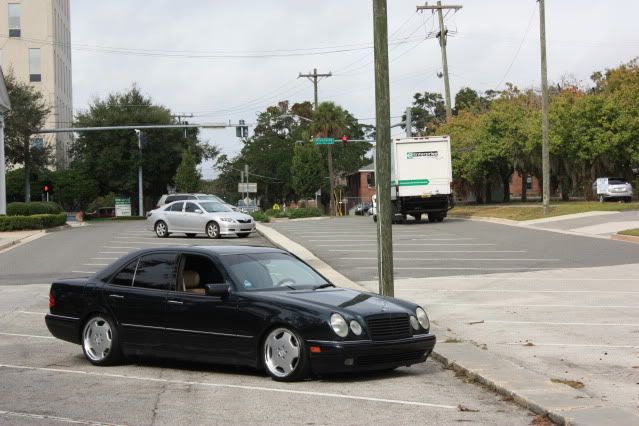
160	229
281	352
213	230
97	339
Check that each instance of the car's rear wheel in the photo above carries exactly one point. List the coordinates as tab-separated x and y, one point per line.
213	230
284	355
190	235
243	234
161	230
100	341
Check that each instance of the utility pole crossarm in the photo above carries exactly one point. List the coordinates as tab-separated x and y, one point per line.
450	6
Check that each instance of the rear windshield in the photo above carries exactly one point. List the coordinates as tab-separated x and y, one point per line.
616	181
212	207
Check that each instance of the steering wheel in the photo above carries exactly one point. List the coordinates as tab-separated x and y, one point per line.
282	283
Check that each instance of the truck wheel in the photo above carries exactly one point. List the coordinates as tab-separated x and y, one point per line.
418	217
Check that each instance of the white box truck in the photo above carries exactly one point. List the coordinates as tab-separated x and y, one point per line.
421	178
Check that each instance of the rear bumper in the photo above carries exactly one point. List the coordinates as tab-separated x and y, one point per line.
430	204
336	357
64	328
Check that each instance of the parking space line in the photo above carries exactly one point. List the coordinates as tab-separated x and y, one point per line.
436	251
573	345
54	418
454	258
564	323
374	242
493	278
447	290
112	252
84	272
436	268
230	386
26	335
95	264
104	258
168	242
31	313
120	247
493	305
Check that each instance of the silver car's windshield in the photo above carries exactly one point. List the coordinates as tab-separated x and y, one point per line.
212	207
210	198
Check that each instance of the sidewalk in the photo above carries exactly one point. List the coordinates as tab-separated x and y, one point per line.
13	238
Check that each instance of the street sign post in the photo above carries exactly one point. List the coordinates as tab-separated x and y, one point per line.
122	207
247	187
324	141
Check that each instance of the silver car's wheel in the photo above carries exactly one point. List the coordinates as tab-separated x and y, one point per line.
213	230
284	355
161	230
100	341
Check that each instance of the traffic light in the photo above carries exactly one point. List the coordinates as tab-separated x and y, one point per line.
46	188
345	140
241	130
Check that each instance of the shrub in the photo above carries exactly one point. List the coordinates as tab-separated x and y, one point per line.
305	212
38	221
260	217
33	208
276	213
105	201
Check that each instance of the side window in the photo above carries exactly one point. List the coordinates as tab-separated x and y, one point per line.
190	207
126	275
156	271
177	207
198	271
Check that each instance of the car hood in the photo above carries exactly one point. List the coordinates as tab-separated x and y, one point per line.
343	300
232	215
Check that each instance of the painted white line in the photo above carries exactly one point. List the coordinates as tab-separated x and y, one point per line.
230	386
121	247
95	264
494	305
464	259
447	290
363	240
26	335
408	244
155	238
31	313
104	258
54	418
112	252
434	251
565	323
493	278
167	243
575	345
84	272
425	268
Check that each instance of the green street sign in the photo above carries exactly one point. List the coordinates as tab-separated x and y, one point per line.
324	141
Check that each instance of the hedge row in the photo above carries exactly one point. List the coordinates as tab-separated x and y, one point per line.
33	208
260	217
294	213
38	221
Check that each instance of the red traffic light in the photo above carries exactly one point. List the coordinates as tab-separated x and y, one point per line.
46	188
345	140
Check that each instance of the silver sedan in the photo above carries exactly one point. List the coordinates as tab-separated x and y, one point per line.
199	217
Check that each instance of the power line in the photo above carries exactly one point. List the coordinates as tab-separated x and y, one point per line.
521	44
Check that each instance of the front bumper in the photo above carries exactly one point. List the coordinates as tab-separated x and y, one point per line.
228	228
615	194
337	357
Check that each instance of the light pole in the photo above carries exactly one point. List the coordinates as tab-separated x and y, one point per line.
140	190
3	187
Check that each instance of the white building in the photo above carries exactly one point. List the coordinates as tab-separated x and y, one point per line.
35	44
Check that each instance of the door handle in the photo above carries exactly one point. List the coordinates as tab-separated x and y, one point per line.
116	296
175	302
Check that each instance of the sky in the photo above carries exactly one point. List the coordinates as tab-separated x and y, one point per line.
223	61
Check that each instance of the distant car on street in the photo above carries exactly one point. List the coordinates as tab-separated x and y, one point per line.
612	188
253	306
101	212
362	209
249	207
169	198
194	217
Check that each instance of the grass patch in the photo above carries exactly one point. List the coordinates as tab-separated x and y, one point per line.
633	232
453	340
575	384
260	217
529	211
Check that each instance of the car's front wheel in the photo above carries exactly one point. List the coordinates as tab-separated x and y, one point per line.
213	230
161	230
284	355
100	341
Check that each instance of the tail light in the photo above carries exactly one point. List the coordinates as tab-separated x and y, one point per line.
51	300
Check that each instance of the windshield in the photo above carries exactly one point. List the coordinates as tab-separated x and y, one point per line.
267	271
210	198
616	181
213	207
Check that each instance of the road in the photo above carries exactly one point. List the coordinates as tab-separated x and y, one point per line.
560	305
46	381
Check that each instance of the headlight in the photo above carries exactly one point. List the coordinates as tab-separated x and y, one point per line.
422	318
414	323
338	323
227	219
356	328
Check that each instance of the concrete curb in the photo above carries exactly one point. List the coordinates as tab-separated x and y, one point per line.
36	234
488	219
626	238
533	391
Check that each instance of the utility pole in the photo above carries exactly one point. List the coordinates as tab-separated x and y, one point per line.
179	120
246	176
409	122
443	35
140	193
3	187
314	78
545	151
383	151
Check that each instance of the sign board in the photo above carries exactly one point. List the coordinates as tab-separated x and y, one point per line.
122	207
247	187
602	185
324	141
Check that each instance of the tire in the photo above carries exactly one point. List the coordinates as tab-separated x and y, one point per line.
161	230
601	199
243	234
213	230
440	218
190	235
284	355
418	217
100	340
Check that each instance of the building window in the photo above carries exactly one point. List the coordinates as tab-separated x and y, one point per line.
34	65
529	182
370	180
14	20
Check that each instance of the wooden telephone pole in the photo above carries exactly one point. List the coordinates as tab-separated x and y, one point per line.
545	151
442	42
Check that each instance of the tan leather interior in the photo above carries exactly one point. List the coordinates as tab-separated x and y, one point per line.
191	281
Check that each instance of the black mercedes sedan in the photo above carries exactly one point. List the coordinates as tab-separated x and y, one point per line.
253	306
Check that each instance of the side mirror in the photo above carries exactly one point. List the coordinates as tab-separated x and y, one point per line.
217	290
198	211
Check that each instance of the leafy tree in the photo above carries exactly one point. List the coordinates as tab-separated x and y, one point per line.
74	189
427	113
187	177
466	99
307	169
28	113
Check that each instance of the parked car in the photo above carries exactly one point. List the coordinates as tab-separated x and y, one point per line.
612	188
199	217
249	207
362	209
101	212
169	198
256	306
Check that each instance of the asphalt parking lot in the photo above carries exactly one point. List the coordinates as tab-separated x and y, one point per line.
47	381
560	305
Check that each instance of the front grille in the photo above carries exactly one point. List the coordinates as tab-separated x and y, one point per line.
244	221
388	327
402	357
